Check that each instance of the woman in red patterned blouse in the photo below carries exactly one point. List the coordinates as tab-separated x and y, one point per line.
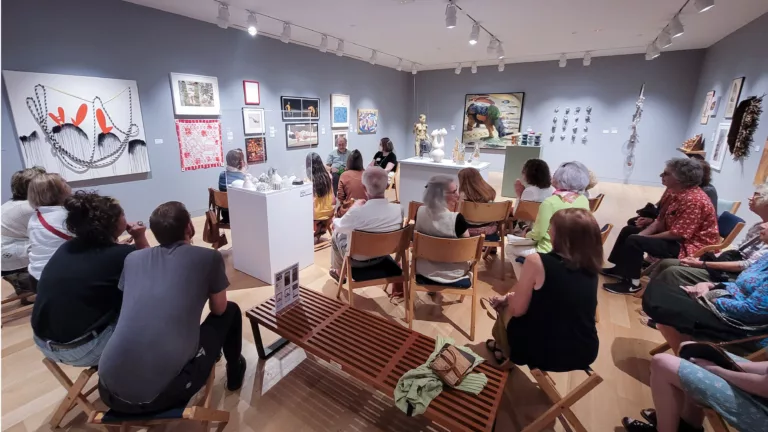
687	222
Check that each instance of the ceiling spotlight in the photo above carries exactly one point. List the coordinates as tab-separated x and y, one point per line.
450	15
563	60
500	51
372	60
676	27
475	35
664	40
399	65
458	69
492	46
704	5
501	65
323	44
413	69
251	23
340	48
652	52
587	58
474	67
222	20
286	36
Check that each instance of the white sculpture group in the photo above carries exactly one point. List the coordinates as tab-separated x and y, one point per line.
438	143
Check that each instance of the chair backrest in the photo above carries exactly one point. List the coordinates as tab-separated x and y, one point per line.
727	206
527	210
413	207
594	203
380	244
605	231
485	212
219	198
447	250
727	222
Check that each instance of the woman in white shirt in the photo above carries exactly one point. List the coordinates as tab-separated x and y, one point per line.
538	182
47	229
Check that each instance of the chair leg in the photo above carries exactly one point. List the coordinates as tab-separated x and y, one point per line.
503	260
348	275
717	422
660	349
74	392
341	278
411	299
561	405
474	314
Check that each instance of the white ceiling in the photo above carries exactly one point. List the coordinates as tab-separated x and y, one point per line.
531	30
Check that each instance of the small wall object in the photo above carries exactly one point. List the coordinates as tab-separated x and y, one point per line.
565	120
562	137
576	120
554	128
557	109
575	129
567	110
588	119
586	128
589	110
554	120
584	138
578	109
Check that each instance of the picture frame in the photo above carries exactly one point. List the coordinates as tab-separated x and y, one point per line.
509	122
253	121
719	146
367	121
733	96
251	92
340	109
337	134
255	150
704	117
714	105
195	95
300	135
299	108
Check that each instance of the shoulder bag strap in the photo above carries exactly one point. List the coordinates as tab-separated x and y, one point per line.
51	229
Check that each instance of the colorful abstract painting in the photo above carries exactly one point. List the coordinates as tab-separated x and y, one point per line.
339	111
200	144
255	150
367	121
491	119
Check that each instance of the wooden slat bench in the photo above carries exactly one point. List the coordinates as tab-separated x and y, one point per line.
375	351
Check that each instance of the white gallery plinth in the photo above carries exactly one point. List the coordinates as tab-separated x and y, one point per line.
415	172
271	230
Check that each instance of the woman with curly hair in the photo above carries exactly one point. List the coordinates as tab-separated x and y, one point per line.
78	295
322	191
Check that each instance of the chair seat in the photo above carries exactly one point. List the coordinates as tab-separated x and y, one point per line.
493	237
384	269
461	283
112	416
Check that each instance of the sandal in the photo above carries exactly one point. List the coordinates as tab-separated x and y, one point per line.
632	425
649	414
335	275
644	320
485	303
498	355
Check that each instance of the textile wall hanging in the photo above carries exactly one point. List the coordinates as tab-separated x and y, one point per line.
80	127
743	127
200	144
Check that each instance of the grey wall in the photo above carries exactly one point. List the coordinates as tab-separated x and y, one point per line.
610	85
743	53
115	39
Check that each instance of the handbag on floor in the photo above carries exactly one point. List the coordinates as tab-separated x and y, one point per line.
451	364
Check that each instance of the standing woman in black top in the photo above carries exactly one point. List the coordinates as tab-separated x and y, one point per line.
78	297
385	158
548	321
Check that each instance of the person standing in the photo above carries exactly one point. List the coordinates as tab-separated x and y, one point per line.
337	161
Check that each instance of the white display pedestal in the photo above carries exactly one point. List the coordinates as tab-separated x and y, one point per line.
271	230
415	172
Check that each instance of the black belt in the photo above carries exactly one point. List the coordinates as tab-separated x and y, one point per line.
81	340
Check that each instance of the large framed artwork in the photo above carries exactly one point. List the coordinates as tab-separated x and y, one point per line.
339	111
300	108
491	119
300	135
78	126
199	143
255	150
195	94
704	117
733	97
251	92
367	121
719	146
253	121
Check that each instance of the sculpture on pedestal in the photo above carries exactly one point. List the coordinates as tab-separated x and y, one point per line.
420	130
438	142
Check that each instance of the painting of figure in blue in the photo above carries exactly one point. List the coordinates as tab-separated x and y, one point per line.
341	115
367	121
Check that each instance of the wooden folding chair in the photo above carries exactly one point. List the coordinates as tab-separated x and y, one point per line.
485	213
376	245
75	394
527	211
562	404
594	203
413	207
218	201
395	185
605	231
326	218
443	250
729	206
19	311
203	414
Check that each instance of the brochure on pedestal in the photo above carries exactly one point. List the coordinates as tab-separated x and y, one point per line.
286	288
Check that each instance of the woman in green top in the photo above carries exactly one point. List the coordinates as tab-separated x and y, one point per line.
569	181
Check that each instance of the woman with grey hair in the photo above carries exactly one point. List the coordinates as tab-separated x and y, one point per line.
687	222
570	180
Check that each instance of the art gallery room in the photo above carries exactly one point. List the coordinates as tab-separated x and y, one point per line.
568	225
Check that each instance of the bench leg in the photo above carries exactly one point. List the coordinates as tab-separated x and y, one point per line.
265	353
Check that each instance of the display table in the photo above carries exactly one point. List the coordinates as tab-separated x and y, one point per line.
514	159
271	230
415	172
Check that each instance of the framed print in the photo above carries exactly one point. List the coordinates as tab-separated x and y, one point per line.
253	121
367	121
255	150
300	108
704	117
300	135
195	94
714	105
733	97
719	146
200	144
339	111
251	92
337	135
761	176
492	119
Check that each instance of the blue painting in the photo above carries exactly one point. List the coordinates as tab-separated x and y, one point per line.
339	111
340	114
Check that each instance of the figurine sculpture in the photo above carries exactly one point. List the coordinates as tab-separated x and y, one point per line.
476	155
438	142
420	130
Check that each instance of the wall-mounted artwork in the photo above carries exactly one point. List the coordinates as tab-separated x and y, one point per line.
491	119
714	105
339	111
200	143
367	121
195	94
80	127
253	121
761	176
337	135
300	135
719	146
251	92
704	117
733	96
255	150
300	108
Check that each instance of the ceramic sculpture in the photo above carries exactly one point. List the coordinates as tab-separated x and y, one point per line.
420	131
438	142
476	155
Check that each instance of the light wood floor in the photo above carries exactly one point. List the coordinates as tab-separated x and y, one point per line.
290	392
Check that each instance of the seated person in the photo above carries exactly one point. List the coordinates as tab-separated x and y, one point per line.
350	184
686	223
385	158
234	172
473	188
548	321
375	214
160	355
78	299
322	192
681	388
706	182
592	183
337	161
536	184
569	181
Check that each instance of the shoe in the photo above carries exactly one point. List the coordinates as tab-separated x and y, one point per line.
649	414
623	287
235	374
610	271
632	425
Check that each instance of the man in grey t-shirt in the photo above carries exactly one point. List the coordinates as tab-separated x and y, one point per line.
160	355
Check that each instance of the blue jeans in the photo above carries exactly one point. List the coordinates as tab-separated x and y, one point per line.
85	355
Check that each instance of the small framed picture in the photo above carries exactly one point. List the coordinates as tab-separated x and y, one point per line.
733	97
337	135
706	108
253	121
299	135
195	94
255	150
719	146
251	92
